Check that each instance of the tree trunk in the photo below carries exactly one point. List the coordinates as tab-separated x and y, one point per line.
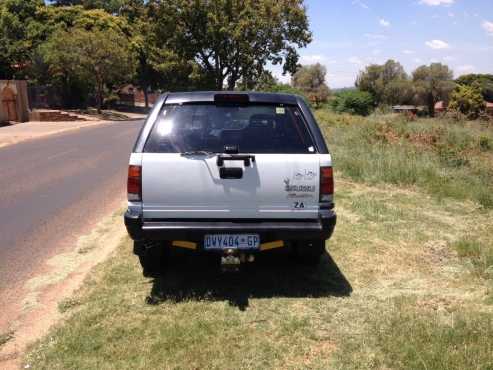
146	96
431	105
99	97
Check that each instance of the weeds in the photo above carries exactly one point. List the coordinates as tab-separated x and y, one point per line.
5	337
407	339
446	159
479	253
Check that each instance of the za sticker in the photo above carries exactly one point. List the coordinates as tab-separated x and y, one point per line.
298	205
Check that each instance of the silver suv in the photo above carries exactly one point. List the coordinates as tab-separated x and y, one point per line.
229	173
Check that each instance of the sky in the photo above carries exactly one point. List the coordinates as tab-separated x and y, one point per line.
350	34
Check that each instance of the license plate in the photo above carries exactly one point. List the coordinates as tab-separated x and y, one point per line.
232	241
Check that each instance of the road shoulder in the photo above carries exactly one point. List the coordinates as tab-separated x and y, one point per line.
14	134
44	293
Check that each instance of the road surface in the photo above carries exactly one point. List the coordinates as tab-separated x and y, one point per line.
54	189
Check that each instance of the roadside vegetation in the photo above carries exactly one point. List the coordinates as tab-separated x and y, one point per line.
441	156
407	283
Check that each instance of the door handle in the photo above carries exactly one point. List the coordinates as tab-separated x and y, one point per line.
246	158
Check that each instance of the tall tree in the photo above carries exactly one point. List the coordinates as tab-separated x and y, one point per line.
311	80
100	57
375	79
433	84
233	39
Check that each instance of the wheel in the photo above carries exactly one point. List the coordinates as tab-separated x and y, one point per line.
152	257
309	252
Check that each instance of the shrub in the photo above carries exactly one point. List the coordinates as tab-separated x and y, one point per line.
353	102
467	100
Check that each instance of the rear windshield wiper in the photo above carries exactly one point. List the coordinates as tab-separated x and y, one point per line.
197	152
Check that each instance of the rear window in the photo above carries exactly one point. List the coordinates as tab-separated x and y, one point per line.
251	128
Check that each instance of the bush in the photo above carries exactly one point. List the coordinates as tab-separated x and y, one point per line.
467	100
353	102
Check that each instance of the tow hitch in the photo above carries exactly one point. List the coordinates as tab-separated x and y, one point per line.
232	259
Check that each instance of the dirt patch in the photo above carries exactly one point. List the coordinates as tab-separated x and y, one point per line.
65	274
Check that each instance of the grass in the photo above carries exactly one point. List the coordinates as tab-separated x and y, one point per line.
5	337
445	158
413	340
406	283
392	273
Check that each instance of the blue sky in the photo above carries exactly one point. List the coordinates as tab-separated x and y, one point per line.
349	34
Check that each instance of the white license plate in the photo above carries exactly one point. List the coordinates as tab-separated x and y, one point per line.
232	241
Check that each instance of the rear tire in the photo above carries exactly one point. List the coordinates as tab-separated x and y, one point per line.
152	256
309	252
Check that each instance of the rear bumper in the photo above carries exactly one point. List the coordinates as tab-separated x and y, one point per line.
194	230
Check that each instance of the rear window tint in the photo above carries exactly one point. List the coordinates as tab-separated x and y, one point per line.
251	128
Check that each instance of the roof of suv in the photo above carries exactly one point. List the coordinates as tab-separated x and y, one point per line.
208	96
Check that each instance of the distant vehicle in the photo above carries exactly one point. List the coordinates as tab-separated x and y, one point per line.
229	173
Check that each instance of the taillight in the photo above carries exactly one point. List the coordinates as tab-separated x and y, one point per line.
134	184
326	184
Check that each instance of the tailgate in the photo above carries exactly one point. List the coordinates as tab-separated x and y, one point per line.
275	186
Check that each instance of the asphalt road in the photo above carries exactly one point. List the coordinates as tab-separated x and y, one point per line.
53	189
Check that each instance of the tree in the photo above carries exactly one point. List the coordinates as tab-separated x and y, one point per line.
468	100
19	36
311	81
399	92
100	57
433	84
353	102
375	79
233	39
111	6
484	81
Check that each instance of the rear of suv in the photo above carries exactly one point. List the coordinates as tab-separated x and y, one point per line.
234	174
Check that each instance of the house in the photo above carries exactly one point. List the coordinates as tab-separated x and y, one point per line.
134	96
489	108
409	109
440	107
14	102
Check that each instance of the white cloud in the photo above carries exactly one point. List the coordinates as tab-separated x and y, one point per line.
315	58
451	14
384	23
360	3
376	52
437	44
465	69
355	60
417	60
488	27
408	52
437	2
448	58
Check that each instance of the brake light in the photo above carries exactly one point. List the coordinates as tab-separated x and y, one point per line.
225	98
326	184
134	184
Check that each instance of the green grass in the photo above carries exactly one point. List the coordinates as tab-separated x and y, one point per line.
445	158
390	246
478	253
407	283
421	341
